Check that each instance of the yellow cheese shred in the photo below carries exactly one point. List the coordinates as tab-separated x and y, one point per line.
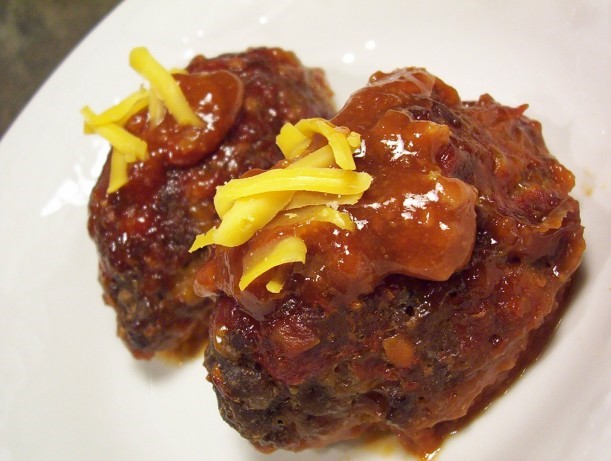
251	212
278	278
309	214
327	180
288	250
119	113
131	147
343	142
291	141
320	158
156	108
247	215
244	219
308	190
164	94
165	85
119	165
306	198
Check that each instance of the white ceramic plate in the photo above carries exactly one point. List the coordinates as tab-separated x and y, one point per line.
69	390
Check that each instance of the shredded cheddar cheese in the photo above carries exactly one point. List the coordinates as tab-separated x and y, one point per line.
342	143
131	147
291	141
288	250
165	85
244	219
306	198
318	213
163	95
118	164
308	190
276	282
119	113
326	180
156	108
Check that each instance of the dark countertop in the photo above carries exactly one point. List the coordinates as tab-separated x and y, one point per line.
36	35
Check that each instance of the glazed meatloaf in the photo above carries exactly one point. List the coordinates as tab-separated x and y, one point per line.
143	230
461	249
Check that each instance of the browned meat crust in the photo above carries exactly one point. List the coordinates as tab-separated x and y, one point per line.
144	230
411	353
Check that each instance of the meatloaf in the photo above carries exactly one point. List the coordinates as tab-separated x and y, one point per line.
464	247
143	231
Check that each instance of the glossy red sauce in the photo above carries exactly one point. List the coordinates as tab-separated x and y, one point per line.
413	220
144	230
403	324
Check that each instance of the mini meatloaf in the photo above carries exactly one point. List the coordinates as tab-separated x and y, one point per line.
464	247
144	230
